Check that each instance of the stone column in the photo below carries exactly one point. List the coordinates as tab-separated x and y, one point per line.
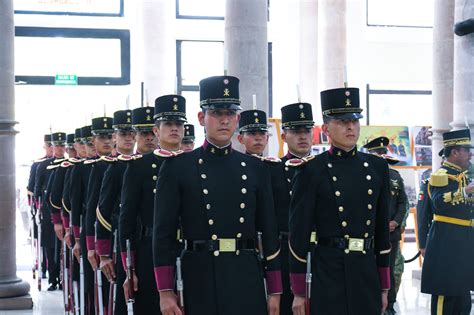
332	15
308	61
159	73
246	45
443	50
13	291
463	108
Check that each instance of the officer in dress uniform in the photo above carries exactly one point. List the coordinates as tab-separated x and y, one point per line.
31	195
219	198
188	140
344	194
45	175
447	272
424	208
398	210
79	180
138	192
109	203
253	131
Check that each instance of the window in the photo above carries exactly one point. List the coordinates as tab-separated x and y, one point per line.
70	7
400	13
43	53
200	9
398	107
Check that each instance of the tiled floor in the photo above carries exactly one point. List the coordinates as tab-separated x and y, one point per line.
410	300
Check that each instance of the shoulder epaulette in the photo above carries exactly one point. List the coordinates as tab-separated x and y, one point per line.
58	161
166	154
66	164
125	157
107	158
439	178
52	166
269	159
91	161
75	161
296	162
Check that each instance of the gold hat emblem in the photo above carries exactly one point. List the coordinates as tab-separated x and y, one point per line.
348	102
105	125
175	107
302	115
129	120
226	92
187	133
257	120
148	117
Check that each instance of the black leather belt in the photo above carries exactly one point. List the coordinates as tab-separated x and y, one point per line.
348	244
221	245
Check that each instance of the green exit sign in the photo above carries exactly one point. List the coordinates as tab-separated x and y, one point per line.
65	79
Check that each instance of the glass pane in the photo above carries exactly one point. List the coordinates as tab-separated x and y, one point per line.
200	60
76	6
192	110
49	56
400	110
210	8
400	12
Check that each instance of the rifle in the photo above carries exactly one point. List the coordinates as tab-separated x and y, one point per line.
65	279
262	260
81	275
130	300
113	284
100	301
179	284
308	283
34	240
39	247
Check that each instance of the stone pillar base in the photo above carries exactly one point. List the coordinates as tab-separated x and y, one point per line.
14	295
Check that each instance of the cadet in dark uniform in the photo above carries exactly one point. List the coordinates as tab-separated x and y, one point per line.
43	183
253	131
398	204
219	198
187	144
138	193
297	123
109	203
447	272
344	194
32	202
79	179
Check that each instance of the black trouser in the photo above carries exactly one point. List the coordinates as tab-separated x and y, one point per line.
451	305
53	256
147	298
392	293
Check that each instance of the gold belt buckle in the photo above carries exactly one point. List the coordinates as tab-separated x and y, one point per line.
227	245
356	244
